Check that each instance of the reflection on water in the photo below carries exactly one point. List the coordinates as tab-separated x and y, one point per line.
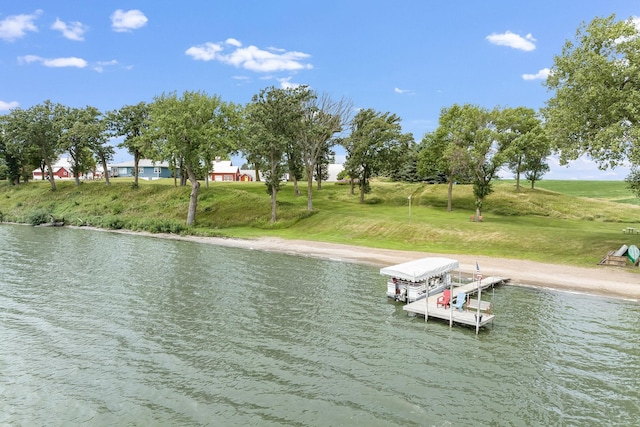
106	329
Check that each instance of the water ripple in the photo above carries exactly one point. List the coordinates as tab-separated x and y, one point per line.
120	330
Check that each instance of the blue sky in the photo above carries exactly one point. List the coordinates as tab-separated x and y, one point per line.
411	58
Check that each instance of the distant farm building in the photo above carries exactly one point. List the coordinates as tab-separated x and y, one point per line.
59	172
334	169
62	170
147	169
224	171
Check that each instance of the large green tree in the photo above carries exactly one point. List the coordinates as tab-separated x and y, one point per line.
524	141
446	150
82	133
102	151
406	170
486	153
466	147
535	168
274	120
596	80
323	119
15	158
374	139
35	133
130	122
190	127
321	171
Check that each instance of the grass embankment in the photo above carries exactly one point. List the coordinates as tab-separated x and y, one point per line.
577	223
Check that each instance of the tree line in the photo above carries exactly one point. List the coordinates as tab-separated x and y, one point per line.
294	131
281	131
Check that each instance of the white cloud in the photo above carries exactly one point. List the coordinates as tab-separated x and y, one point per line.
71	61
122	21
204	52
513	40
5	106
233	42
72	31
251	57
16	26
100	65
285	83
540	75
403	91
27	59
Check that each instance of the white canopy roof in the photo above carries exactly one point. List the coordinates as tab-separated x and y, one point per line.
224	166
420	269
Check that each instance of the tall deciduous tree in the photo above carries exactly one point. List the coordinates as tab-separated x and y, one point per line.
82	132
323	119
9	164
190	127
102	151
523	140
487	155
38	130
535	168
446	151
274	122
370	146
321	171
596	80
295	168
130	122
16	152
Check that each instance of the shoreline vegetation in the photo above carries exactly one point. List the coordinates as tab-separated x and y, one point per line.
552	237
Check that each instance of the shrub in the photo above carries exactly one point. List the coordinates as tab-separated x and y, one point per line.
113	223
38	217
165	226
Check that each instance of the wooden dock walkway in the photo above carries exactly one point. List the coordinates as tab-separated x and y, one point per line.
472	287
427	307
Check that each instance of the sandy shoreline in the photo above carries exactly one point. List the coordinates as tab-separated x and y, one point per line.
600	280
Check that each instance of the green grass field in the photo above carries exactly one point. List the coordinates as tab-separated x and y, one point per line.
564	222
615	191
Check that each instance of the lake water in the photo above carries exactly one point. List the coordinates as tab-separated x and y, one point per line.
105	329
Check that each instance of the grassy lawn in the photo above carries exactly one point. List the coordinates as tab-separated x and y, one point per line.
615	191
565	222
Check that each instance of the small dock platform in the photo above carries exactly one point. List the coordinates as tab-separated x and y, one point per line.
428	307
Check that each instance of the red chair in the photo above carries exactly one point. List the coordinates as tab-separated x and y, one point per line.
444	299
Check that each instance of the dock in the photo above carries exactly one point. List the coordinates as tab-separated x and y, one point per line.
427	307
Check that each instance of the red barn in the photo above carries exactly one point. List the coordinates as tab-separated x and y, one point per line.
223	170
59	172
